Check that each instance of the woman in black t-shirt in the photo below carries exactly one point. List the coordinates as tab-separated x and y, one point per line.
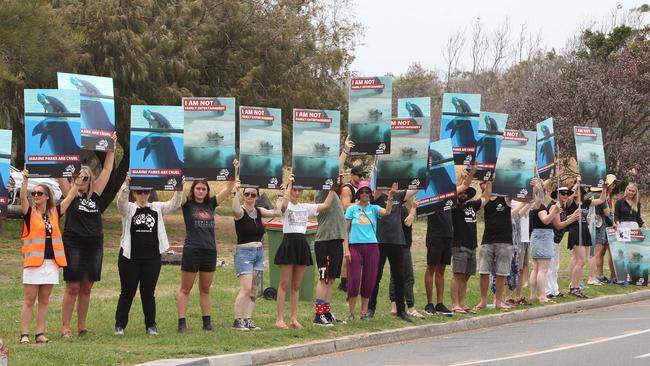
200	248
627	210
84	242
579	238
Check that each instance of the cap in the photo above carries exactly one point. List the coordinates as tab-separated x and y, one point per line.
358	170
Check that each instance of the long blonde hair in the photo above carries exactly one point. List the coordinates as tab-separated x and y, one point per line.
636	196
91	179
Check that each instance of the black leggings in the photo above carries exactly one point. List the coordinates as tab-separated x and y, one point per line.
133	272
409	281
395	255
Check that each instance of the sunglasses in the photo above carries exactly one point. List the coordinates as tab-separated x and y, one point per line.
141	192
564	193
84	179
38	193
250	194
364	191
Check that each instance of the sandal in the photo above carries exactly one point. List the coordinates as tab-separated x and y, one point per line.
549	301
41	338
82	332
503	309
477	308
24	339
511	302
523	302
577	293
469	311
594	283
459	311
66	334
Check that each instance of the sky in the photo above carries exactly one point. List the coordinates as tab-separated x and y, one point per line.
400	33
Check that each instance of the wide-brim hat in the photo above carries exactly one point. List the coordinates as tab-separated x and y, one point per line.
611	179
471	192
554	193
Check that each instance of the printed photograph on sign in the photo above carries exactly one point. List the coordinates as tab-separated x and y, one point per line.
463	132
516	164
156	159
209	138
461	104
414	107
545	148
591	156
260	147
407	162
97	105
316	146
490	136
369	115
5	171
440	191
52	133
631	257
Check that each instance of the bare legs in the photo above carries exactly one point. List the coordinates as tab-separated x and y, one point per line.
32	293
289	274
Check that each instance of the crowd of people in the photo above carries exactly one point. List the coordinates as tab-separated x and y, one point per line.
358	230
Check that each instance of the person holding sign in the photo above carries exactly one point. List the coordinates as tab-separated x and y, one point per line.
627	211
294	254
579	237
43	252
200	248
84	242
360	246
143	240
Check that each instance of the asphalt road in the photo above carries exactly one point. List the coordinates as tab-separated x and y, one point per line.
618	335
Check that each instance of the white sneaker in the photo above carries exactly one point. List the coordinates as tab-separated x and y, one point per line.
415	314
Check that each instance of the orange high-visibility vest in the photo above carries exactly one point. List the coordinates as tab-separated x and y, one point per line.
34	241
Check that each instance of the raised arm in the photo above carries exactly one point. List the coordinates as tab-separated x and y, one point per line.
487	193
326	204
237	211
283	202
123	196
601	199
64	185
72	193
347	146
171	204
24	201
102	179
223	194
389	201
466	179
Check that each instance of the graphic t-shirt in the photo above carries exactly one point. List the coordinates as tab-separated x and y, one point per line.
388	228
363	228
199	224
464	218
295	217
498	223
83	221
144	234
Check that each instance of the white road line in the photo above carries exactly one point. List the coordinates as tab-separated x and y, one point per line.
558	349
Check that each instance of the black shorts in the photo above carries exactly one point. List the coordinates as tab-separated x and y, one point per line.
574	237
83	258
198	260
329	257
294	250
439	251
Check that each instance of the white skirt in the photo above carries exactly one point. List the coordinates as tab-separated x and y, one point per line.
46	274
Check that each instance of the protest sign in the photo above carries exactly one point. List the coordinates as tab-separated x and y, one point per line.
490	135
414	107
440	192
545	148
260	147
369	115
631	254
516	164
591	156
5	171
460	113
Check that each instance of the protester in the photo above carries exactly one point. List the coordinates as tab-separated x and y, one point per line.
43	252
328	247
522	219
360	246
542	245
83	236
294	255
200	248
579	238
465	240
408	216
627	211
348	197
249	254
514	280
604	217
143	240
563	195
390	236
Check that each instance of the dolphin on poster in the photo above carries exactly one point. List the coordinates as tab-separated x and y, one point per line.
156	120
58	135
461	105
51	104
546	151
84	86
161	149
414	110
488	144
461	131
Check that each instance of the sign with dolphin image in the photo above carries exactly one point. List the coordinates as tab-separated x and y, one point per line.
156	159
490	135
260	147
369	115
545	148
516	164
407	162
52	133
440	192
591	156
97	109
414	107
631	254
316	146
460	113
5	161
209	138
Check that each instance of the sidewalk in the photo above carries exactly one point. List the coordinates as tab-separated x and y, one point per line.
316	348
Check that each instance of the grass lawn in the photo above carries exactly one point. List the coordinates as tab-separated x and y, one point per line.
101	347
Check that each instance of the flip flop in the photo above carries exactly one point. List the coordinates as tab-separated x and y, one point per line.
469	311
24	339
477	308
503	309
459	311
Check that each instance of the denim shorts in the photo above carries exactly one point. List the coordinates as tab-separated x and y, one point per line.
249	260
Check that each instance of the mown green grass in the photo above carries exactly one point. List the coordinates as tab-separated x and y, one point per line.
101	347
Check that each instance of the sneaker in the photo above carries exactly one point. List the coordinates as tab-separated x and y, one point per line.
370	314
430	309
239	324
333	319
404	316
624	283
322	321
349	318
250	325
603	279
365	317
182	327
415	314
119	331
441	308
152	330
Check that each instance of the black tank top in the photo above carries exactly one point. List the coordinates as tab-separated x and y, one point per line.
353	189
248	229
